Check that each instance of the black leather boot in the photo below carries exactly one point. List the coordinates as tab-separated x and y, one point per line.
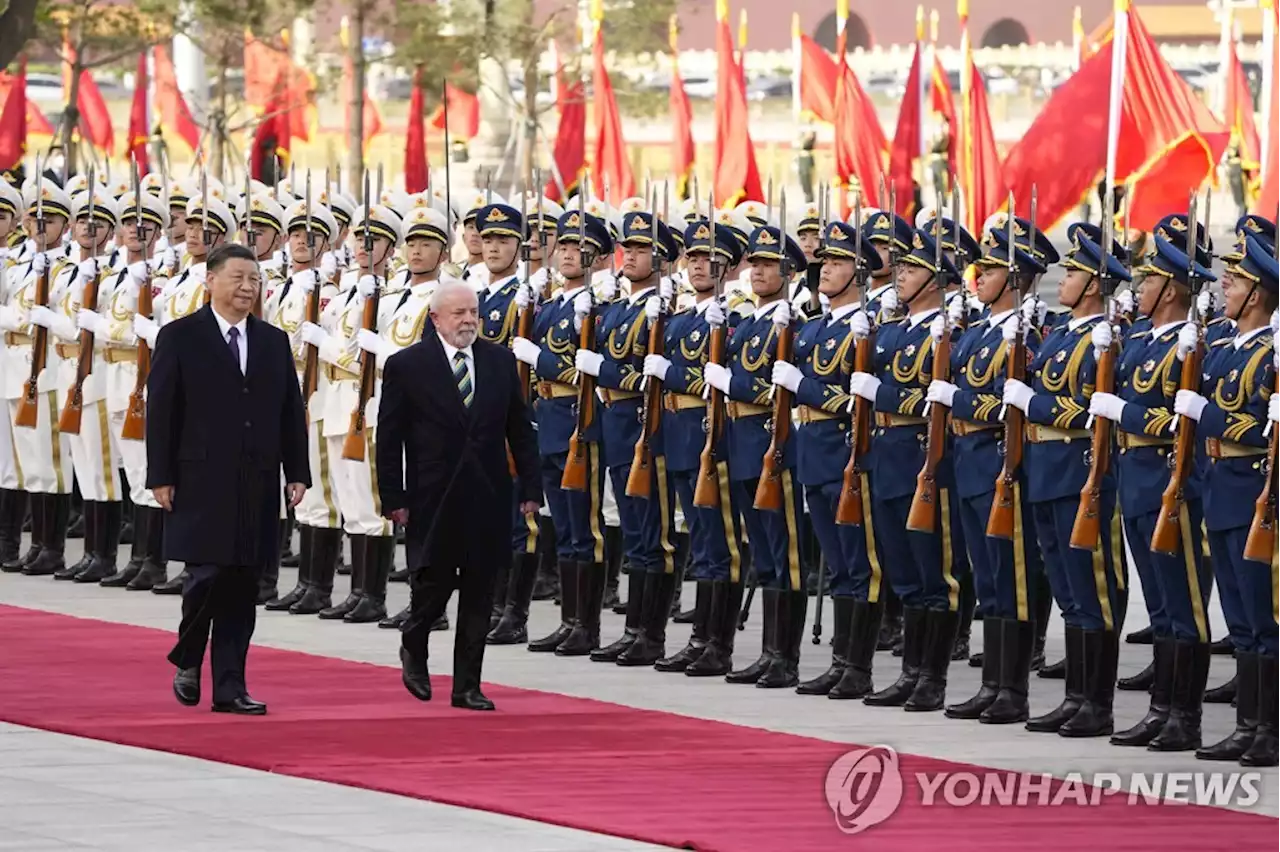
769	603
380	553
698	639
137	550
1181	731
1073	697
784	672
288	558
512	628
326	550
568	574
13	510
1262	752
891	628
913	630
613	557
1161	689
1142	681
547	585
359	557
940	641
1239	740
1017	644
1145	636
585	636
651	645
56	508
968	599
1101	656
864	632
91	523
843	623
1225	694
716	660
634	619
990	684
501	580
1043	610
295	594
1053	671
154	567
39	514
107	543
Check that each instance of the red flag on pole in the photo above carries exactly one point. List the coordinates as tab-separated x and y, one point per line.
860	142
1269	196
683	151
569	152
139	120
171	107
982	182
272	140
13	121
415	139
1238	112
464	113
906	138
737	178
609	164
817	80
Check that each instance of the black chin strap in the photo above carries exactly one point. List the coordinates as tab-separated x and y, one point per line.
1244	303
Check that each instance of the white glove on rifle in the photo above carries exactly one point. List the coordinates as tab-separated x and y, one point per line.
1124	301
170	260
1189	404
787	375
652	308
937	328
40	262
861	325
1012	328
957	308
87	270
657	367
1204	302
538	281
588	362
370	342
1107	405
366	286
146	328
1034	310
864	385
312	334
1017	394
525	351
523	297
328	266
1188	339
53	320
305	280
581	307
609	289
1102	338
781	315
139	272
91	321
943	393
666	287
716	376
715	314
1273	408
889	300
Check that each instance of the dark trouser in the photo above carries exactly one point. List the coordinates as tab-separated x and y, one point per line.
577	515
775	536
429	592
714	535
1182	582
853	568
220	599
1004	572
920	565
1089	585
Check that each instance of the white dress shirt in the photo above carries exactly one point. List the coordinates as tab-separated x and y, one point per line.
242	344
451	351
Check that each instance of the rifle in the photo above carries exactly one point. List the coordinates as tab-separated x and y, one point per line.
135	418
206	238
1166	538
706	493
524	322
769	489
923	515
849	509
640	480
1086	532
250	234
1001	522
353	445
28	406
311	361
73	409
575	466
1260	546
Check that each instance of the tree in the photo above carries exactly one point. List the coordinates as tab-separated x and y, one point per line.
17	26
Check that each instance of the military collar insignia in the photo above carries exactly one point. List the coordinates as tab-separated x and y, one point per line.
1061	356
910	351
1233	375
755	341
831	343
696	335
495	315
1149	365
564	323
986	350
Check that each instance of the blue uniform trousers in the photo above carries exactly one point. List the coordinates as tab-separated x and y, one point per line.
714	534
920	565
647	525
1004	572
1089	585
1248	593
853	567
775	536
1178	594
577	515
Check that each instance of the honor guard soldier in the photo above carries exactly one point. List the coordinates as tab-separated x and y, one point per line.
13	500
266	221
746	381
172	248
891	235
921	562
584	248
646	523
41	454
809	232
1175	586
1238	387
343	207
209	224
474	271
716	557
1089	585
825	359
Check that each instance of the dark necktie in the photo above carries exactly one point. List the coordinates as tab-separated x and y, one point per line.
233	341
462	376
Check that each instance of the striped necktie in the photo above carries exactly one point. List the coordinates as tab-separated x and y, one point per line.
462	376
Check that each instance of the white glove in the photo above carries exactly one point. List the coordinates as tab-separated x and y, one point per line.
1018	395
861	325
146	328
523	297
40	262
43	317
787	375
1102	338
943	393
1204	302
1273	408
538	281
609	289
800	302
11	319
656	366
1034	310
525	351
937	327
717	376
864	385
91	321
581	306
328	266
367	285
715	314
957	307
4	253
1190	404
313	334
1124	301
652	308
169	260
370	342
1011	328
1106	405
305	280
782	315
666	287
139	272
87	270
588	362
1188	337
889	300
1275	322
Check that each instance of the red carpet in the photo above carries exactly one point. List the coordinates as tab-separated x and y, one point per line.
650	776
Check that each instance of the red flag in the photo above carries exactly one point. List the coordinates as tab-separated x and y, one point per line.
464	113
860	142
261	68
981	181
415	140
569	152
95	122
737	177
609	164
172	111
37	123
941	102
1268	198
906	138
139	125
683	151
13	120
817	80
272	137
1238	114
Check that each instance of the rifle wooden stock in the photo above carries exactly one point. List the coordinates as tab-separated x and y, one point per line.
769	490
575	466
28	411
524	328
73	409
706	493
849	509
1167	537
1001	522
311	361
640	479
353	444
1086	532
923	515
1260	546
135	419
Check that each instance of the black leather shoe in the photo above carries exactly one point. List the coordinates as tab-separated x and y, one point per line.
415	677
472	699
242	706
395	622
186	686
1145	636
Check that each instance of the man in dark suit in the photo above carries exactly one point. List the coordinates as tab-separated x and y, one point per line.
224	415
450	407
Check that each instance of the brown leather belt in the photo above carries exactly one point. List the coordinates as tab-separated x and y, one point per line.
118	355
556	390
885	420
738	410
12	338
610	396
682	401
1216	448
1133	440
67	350
809	414
337	374
969	427
1038	433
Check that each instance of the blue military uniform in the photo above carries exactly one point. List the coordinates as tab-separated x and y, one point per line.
577	515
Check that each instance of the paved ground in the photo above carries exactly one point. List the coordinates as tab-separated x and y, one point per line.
39	767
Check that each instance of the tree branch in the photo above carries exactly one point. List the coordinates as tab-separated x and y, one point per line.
17	25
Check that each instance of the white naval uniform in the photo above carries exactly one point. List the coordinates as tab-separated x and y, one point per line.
10	268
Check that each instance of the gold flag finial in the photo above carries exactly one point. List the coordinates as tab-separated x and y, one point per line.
934	18
962	9
673	33
344	33
722	10
842	10
920	23
795	25
597	11
742	29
